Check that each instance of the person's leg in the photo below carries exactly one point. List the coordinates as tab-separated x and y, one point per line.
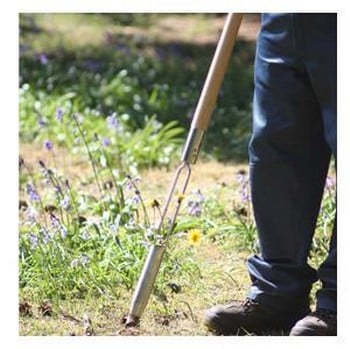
289	160
288	165
323	77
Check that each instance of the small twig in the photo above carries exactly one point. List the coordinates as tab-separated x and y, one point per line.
85	321
88	329
70	317
190	309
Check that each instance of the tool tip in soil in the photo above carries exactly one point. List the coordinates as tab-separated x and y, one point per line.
132	321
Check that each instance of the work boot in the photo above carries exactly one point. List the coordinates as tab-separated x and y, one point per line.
239	318
319	323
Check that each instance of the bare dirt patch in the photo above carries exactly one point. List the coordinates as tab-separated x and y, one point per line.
205	175
187	29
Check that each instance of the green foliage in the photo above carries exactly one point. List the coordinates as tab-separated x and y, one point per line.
77	245
126	144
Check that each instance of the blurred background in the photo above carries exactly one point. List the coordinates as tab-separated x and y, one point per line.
138	65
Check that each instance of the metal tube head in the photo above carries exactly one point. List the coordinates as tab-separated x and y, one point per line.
192	146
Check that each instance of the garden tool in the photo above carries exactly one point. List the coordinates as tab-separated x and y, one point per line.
199	125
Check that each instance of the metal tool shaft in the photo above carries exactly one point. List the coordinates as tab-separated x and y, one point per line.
156	252
145	284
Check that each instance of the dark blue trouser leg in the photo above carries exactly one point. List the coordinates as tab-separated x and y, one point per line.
294	135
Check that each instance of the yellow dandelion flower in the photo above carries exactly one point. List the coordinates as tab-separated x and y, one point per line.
148	203
194	236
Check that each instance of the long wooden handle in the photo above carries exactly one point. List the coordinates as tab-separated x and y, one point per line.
210	91
216	72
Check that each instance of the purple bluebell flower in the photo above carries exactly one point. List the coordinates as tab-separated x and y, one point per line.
63	231
113	228
31	215
123	49
113	122
54	220
106	142
59	114
129	185
136	199
58	226
244	194
74	262
58	189
48	144
243	181
46	236
84	260
92	65
42	122
34	241
65	203
240	177
85	235
200	197
33	195
194	208
330	182
43	59
46	172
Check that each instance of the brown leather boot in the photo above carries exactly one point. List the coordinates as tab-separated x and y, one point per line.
246	317
318	323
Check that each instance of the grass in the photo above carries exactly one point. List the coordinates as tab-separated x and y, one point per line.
168	313
104	98
175	314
